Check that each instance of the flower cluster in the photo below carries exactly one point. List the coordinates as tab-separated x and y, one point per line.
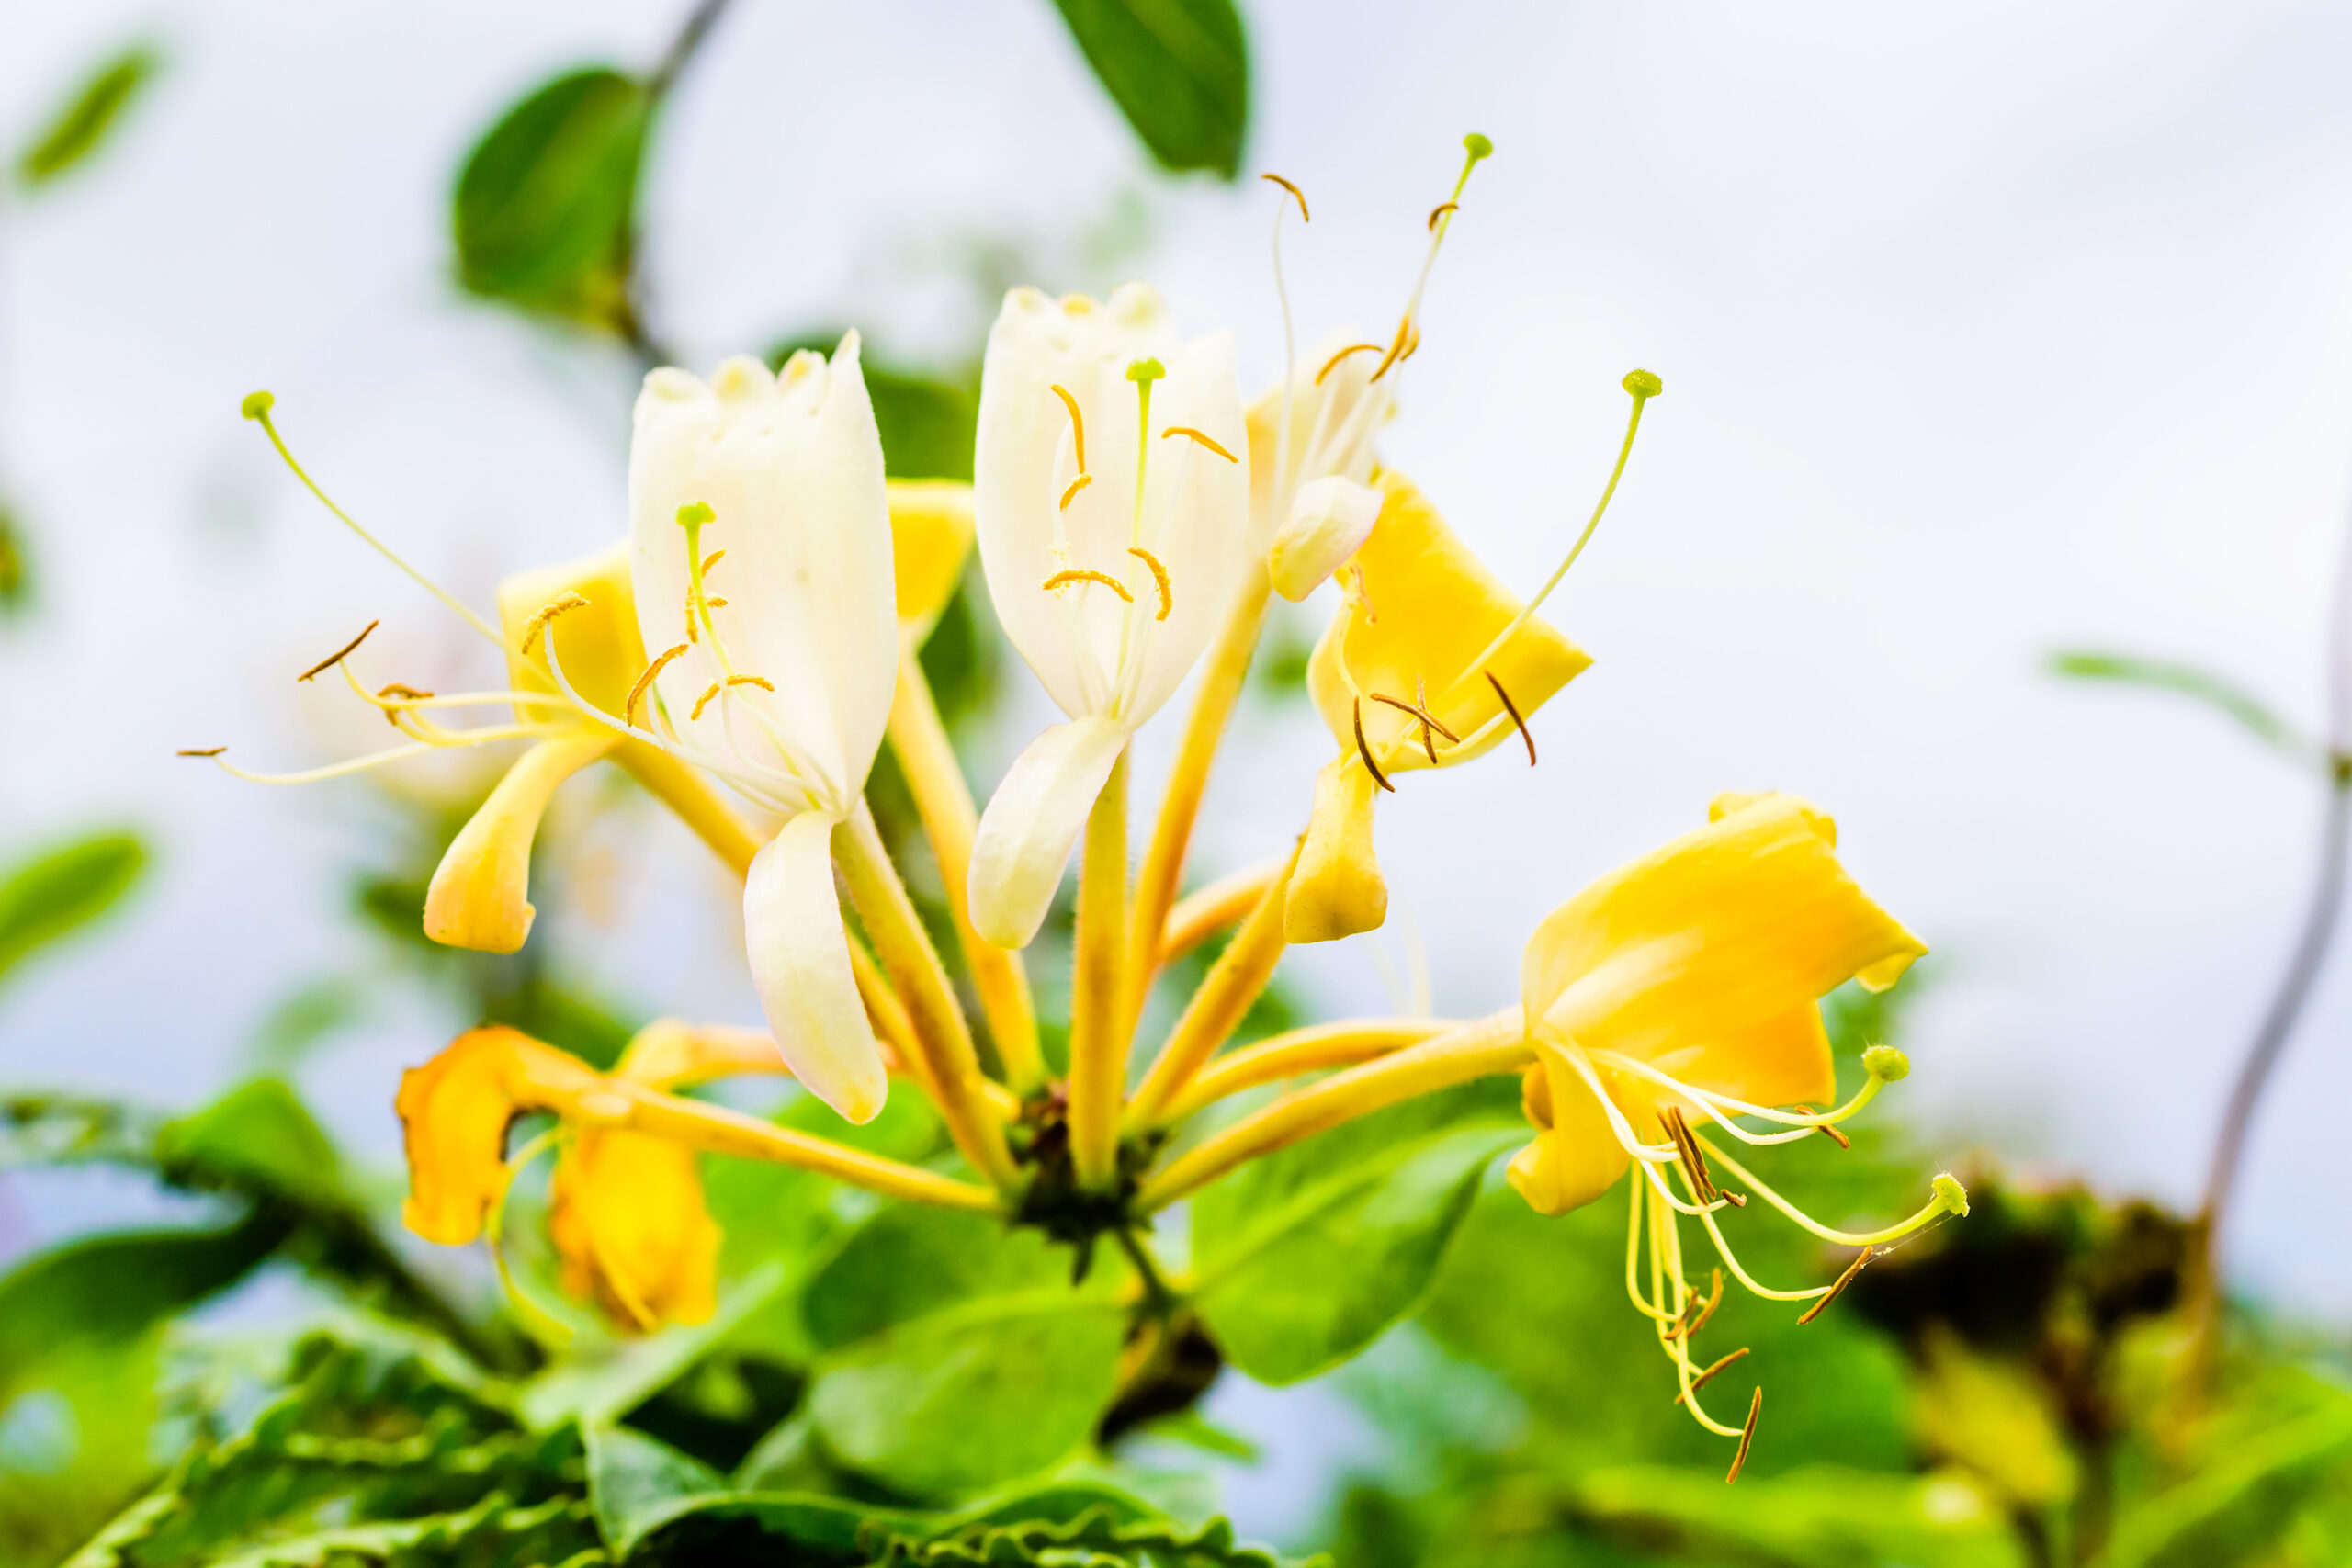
757	630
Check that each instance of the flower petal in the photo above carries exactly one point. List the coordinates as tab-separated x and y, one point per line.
800	957
930	533
1328	522
1710	939
1031	822
1336	890
454	1112
1576	1157
480	894
628	1221
601	650
1336	411
1780	1060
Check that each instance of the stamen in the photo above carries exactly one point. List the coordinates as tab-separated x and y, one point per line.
1746	1436
1512	708
1428	721
1082	574
567	600
759	682
1071	494
637	692
1693	1162
1826	1130
1700	1379
1702	1309
1077	422
1839	1288
1406	339
694	634
256	408
710	560
1158	580
410	694
1365	753
1331	363
1440	210
394	710
704	701
340	654
1294	190
1200	436
332	771
714	602
1938	1204
201	751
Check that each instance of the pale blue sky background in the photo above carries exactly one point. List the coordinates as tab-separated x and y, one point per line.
1984	328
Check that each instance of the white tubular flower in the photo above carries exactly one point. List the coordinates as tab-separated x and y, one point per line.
759	550
1112	494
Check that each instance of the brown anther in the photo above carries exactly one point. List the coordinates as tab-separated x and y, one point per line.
1838	1288
704	701
1071	494
637	692
1334	360
1077	422
1406	340
710	560
1201	436
202	752
1695	1317
1512	708
1694	1163
761	681
1081	574
1746	1436
1365	753
1826	1131
340	654
1294	190
1440	210
567	600
1158	580
1699	1379
407	694
1737	1199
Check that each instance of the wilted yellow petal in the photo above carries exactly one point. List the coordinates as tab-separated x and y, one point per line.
628	1219
479	896
930	533
454	1112
1336	890
1430	609
1709	946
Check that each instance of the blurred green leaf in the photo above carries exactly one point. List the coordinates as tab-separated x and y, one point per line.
15	569
81	126
955	1354
75	1446
545	207
636	1484
1304	1258
1818	1518
57	1129
49	895
1178	69
2245	1502
307	1018
597	1387
2217	691
257	1139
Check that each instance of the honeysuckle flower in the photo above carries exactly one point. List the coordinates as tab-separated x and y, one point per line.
930	533
779	656
1313	502
1680	991
1429	661
1111	499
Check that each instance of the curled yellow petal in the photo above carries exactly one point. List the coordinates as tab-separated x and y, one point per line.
1574	1157
628	1219
480	894
930	533
1336	890
1429	608
454	1114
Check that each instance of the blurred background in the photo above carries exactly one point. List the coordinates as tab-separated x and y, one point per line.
1986	331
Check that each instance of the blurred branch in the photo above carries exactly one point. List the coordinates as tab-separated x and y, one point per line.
699	22
2215	692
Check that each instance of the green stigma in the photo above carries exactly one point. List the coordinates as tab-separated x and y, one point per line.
695	513
1145	370
1886	1064
258	404
1477	146
1644	383
1953	1196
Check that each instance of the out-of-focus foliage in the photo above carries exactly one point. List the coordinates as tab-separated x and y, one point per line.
15	571
1178	69
544	210
54	892
2220	693
82	124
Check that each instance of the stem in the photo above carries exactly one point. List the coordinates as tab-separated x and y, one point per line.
1222	674
1203	912
1235	983
944	803
923	987
1301	1051
1156	1290
1496	1043
698	23
1098	1045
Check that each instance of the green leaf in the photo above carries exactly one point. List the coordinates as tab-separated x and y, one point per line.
1304	1258
108	1290
956	1354
1178	69
636	1484
48	896
74	1447
1820	1515
81	126
545	207
597	1389
2217	691
2236	1508
256	1139
15	568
